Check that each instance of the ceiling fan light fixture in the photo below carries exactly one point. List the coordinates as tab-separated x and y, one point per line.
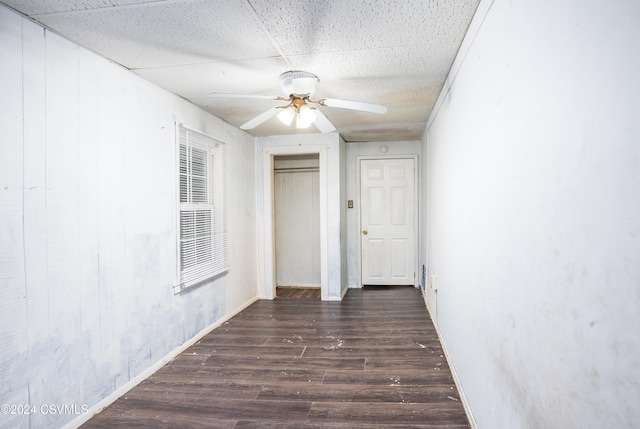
305	117
298	87
301	124
307	114
287	115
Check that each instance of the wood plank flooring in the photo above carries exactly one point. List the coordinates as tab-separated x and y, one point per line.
370	361
298	292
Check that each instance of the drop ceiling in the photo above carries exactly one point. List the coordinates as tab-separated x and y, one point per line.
391	52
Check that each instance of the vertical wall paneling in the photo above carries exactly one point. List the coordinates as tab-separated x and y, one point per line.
13	308
35	215
62	218
114	201
87	227
88	215
108	148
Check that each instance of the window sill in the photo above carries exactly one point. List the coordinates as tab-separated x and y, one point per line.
185	287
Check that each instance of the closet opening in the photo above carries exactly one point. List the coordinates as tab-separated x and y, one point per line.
296	211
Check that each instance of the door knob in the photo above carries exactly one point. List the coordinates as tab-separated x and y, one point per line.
365	232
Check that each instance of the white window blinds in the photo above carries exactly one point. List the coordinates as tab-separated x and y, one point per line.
203	245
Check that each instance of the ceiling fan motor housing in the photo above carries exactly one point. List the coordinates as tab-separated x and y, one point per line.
298	82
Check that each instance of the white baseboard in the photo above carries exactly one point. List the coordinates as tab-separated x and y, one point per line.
104	403
300	286
456	379
344	292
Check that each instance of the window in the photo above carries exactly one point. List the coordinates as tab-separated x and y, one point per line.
203	247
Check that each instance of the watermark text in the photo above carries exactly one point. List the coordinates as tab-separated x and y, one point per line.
21	409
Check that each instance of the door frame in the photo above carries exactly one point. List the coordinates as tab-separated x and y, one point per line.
268	221
416	244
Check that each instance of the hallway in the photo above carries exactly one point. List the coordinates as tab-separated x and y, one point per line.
370	361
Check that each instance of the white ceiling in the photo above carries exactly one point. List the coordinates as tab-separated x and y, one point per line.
392	52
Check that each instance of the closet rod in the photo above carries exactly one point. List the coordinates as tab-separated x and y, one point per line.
296	169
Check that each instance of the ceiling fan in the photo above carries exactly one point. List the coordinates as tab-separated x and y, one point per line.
298	87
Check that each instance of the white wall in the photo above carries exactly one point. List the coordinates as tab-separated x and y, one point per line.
353	151
332	145
344	266
534	214
88	225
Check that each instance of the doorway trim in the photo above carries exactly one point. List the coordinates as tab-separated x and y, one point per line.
416	210
268	285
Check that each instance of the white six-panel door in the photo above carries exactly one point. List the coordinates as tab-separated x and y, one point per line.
387	221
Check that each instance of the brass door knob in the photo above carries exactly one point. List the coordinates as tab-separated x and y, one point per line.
365	232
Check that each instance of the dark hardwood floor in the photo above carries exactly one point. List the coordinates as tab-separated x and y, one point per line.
370	361
298	292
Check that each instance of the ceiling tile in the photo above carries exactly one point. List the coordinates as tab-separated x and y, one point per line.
405	131
309	26
39	7
194	81
370	76
161	34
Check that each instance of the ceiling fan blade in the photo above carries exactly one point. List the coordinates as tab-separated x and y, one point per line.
353	105
235	95
322	123
263	117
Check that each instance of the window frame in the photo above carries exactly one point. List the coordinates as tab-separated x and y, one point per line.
202	236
